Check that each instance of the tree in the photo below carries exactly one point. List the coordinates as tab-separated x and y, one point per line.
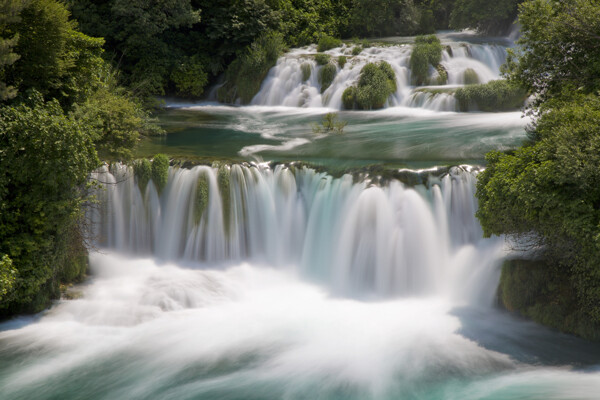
9	14
488	17
559	48
45	158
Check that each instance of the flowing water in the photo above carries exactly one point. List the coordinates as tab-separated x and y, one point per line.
270	280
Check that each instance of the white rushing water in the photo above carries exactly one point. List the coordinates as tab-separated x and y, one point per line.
285	84
354	237
311	287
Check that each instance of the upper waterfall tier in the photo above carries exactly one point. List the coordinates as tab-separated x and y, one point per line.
286	83
353	236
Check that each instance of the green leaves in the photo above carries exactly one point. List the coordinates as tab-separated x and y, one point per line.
426	53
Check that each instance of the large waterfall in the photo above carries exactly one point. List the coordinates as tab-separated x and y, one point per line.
353	236
464	63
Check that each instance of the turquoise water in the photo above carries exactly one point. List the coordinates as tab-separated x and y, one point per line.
397	136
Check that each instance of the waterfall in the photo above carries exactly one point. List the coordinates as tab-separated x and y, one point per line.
355	237
288	85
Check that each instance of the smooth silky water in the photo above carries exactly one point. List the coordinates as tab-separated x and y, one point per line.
254	281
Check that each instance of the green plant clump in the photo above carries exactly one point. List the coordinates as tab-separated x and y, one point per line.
499	95
322	58
245	75
201	197
223	180
442	75
327	42
160	171
142	169
342	61
376	84
349	98
330	124
427	51
326	75
356	50
306	71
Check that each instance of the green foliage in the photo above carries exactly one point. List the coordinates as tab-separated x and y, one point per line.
201	197
245	75
142	170
322	58
116	122
442	75
550	192
330	124
545	293
223	180
376	84
342	61
493	96
9	14
8	275
349	98
189	78
483	15
426	52
558	49
378	18
306	71
326	75
160	171
45	157
327	42
356	50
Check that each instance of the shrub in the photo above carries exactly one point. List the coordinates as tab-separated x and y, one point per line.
330	124
223	180
142	170
8	275
342	61
326	76
427	51
497	95
246	73
327	42
322	58
306	71
356	50
189	78
376	83
442	75
201	197
160	171
349	98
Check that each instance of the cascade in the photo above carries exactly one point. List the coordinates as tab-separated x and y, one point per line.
286	84
356	237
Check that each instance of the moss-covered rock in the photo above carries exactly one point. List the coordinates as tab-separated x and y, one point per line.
326	75
493	96
470	77
544	293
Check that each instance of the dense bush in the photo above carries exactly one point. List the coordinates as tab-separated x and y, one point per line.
497	95
349	98
549	192
342	61
189	77
142	170
485	16
426	53
45	158
160	171
327	42
322	58
326	76
470	77
377	82
245	75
